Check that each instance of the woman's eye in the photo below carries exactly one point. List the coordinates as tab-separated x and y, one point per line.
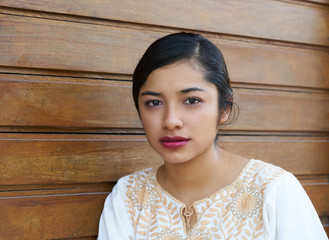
153	103
192	101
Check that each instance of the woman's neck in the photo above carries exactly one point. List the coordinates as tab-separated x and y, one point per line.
199	178
192	180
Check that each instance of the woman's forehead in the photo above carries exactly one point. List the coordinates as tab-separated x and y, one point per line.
178	76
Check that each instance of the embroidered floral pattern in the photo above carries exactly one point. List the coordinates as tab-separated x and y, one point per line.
142	196
245	203
195	235
231	213
169	235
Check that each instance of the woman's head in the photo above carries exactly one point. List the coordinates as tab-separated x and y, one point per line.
186	47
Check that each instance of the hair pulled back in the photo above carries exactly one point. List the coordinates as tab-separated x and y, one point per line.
189	47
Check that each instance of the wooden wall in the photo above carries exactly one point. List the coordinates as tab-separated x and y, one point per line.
68	127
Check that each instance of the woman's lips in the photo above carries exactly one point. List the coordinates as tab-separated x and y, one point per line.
174	142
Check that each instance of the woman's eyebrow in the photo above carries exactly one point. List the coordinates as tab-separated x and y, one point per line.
187	90
192	89
150	93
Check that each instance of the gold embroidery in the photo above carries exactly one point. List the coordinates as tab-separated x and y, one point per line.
245	203
231	213
142	196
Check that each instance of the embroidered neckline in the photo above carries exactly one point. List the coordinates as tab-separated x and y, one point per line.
236	206
232	185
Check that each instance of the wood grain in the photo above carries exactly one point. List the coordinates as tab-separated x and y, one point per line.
318	194
51	44
299	155
108	104
47	159
260	19
275	110
77	158
103	104
52	216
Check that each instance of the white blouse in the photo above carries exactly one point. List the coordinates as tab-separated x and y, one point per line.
264	202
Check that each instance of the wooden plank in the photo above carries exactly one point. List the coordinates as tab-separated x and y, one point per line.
103	104
44	43
53	159
284	21
318	194
51	44
299	155
287	111
53	216
108	104
76	158
274	65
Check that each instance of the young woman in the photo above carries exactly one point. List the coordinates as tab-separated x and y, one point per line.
182	93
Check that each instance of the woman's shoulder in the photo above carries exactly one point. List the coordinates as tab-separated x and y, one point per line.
137	178
141	174
262	174
258	166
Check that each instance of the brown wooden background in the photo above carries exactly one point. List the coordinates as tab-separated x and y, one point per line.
68	127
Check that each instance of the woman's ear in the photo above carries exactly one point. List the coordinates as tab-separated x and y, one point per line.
224	115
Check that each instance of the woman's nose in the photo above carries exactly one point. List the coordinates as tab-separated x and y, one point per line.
172	119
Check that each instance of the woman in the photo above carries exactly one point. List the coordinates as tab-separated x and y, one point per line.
182	93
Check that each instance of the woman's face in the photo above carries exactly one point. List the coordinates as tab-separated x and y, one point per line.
179	112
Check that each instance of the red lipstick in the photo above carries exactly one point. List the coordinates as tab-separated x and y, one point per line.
174	142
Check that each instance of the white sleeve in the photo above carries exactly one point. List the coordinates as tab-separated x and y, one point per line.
114	222
288	212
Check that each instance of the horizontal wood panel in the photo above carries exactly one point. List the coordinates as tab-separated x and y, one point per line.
77	158
213	16
69	159
68	215
108	104
287	111
318	194
103	104
55	216
299	155
273	65
51	44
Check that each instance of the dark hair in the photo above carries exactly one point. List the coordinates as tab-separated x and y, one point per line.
186	47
